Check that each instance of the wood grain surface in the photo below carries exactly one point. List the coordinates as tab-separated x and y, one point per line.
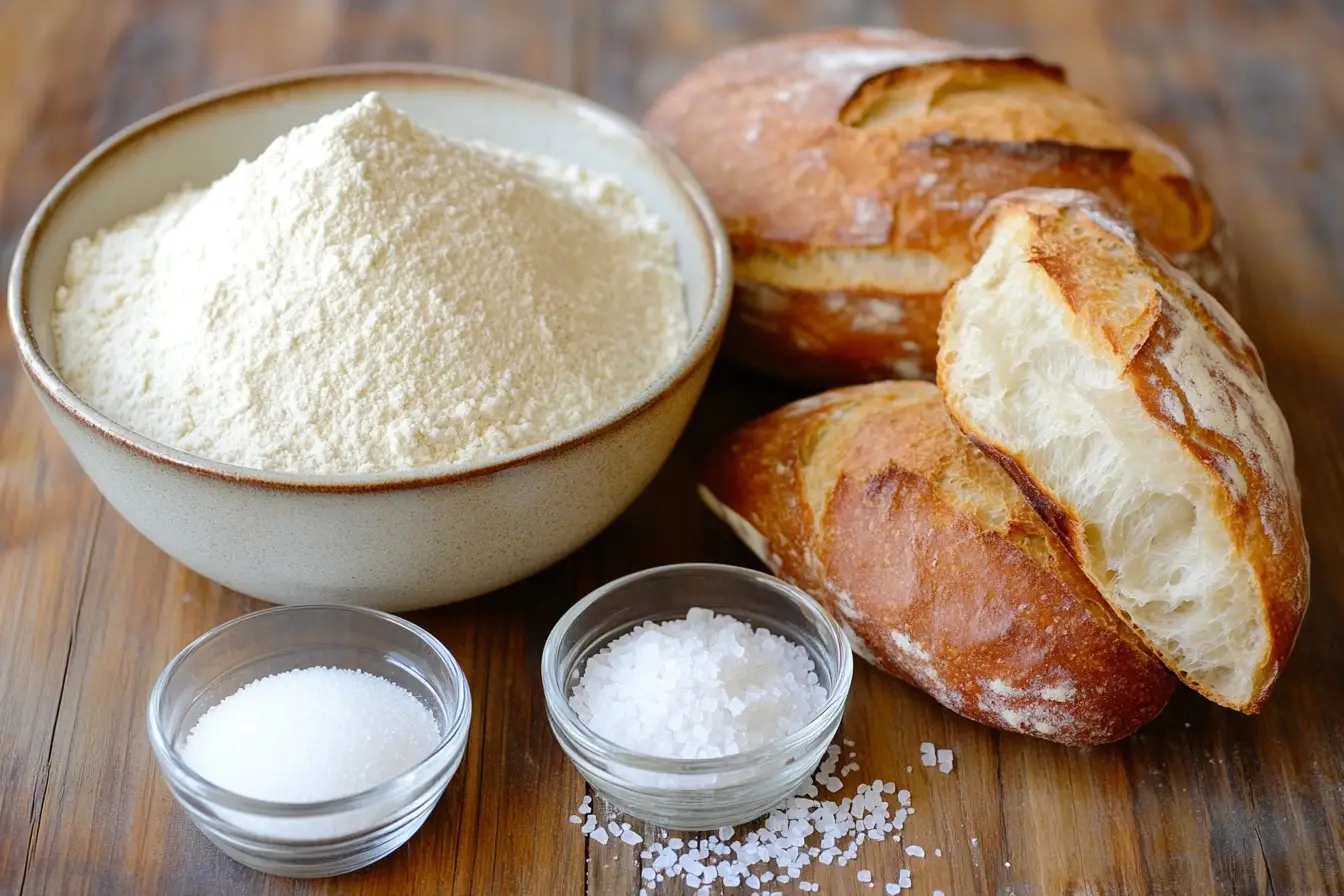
1200	802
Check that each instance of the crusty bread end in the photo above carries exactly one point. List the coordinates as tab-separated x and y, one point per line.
1133	411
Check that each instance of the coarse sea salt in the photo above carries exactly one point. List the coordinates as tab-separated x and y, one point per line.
777	850
700	687
309	735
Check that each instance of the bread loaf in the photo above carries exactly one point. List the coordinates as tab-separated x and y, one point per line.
870	499
1133	410
848	166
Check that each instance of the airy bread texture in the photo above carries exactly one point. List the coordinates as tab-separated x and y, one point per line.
871	500
848	166
1133	411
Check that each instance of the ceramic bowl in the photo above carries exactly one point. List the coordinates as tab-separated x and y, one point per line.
395	541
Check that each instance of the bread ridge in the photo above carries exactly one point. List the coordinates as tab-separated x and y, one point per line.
869	498
776	131
1186	359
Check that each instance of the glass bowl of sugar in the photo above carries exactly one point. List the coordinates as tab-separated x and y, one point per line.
310	740
696	695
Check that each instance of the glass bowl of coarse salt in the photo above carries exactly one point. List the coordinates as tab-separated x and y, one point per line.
696	695
310	741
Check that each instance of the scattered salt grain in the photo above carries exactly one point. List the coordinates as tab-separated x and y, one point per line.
916	851
703	686
938	852
945	761
311	734
802	830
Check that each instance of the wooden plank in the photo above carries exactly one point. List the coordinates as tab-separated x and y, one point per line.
50	510
1235	85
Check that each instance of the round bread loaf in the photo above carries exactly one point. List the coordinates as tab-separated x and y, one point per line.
869	499
848	166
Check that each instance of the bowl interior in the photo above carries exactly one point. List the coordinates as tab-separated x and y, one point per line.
200	141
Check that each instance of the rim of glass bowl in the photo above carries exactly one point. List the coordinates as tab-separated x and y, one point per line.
456	723
595	745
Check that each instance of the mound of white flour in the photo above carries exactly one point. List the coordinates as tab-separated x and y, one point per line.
370	296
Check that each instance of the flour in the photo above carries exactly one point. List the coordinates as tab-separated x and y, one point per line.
369	296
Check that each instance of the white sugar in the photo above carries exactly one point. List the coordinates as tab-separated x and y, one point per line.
311	734
703	686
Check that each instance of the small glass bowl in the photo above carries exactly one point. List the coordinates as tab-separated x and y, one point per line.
335	836
695	794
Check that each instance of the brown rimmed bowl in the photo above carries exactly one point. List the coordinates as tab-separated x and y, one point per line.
394	541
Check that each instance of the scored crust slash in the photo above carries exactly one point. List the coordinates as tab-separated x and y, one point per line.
849	165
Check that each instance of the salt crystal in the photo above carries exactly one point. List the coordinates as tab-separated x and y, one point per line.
311	734
631	837
916	851
600	835
640	689
574	819
865	876
892	889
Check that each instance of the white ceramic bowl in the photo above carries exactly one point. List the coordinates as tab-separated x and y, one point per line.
396	541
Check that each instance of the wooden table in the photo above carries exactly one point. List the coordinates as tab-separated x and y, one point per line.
1201	801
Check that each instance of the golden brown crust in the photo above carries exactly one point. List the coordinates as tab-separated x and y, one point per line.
833	338
1196	374
885	145
872	501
